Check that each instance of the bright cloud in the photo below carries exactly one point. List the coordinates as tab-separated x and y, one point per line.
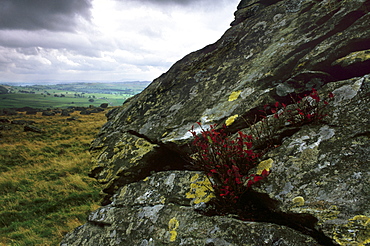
104	40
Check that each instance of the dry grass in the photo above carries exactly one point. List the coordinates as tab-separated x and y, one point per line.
45	190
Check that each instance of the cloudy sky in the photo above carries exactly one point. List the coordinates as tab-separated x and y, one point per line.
104	40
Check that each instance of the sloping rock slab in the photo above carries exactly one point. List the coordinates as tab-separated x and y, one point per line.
157	211
279	47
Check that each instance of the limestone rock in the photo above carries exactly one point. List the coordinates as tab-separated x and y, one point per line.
157	211
318	189
323	170
288	47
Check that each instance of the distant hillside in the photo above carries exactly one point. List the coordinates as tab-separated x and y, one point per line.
132	87
3	90
71	94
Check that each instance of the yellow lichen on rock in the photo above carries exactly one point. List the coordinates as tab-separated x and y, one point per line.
362	218
142	148
200	190
234	95
231	120
354	57
355	232
173	225
298	201
264	165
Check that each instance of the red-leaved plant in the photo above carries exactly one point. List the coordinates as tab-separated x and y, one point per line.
310	108
226	161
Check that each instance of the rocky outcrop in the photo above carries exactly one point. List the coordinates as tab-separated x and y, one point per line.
318	188
158	211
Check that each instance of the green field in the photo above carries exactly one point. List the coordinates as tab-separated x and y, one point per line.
69	95
19	100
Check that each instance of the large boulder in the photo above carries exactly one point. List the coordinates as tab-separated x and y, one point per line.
276	50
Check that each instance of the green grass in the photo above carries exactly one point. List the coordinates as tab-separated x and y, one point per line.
19	100
74	94
45	190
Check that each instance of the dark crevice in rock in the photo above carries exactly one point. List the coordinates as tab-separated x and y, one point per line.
362	134
308	8
99	224
160	159
296	55
354	46
95	172
358	69
327	17
346	22
355	70
269	2
137	134
248	3
259	207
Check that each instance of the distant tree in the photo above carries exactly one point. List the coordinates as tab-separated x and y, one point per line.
91	100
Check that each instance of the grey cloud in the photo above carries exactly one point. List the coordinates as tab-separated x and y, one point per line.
27	42
52	15
178	2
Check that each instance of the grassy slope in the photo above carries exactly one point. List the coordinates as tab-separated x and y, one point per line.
44	188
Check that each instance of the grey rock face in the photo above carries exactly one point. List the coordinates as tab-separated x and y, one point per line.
158	211
319	176
322	170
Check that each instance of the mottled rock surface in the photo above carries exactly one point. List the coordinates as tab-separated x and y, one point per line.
323	170
320	172
158	211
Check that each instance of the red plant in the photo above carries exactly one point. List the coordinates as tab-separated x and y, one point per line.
309	109
227	161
